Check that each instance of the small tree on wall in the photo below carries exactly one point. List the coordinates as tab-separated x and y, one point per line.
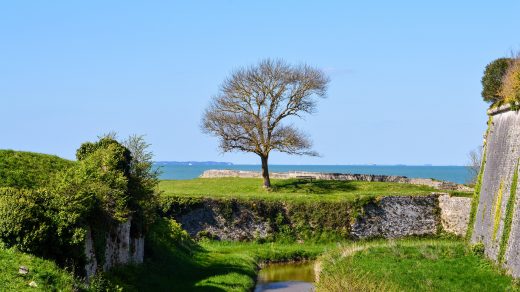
248	112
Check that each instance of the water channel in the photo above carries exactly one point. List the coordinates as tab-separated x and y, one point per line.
286	277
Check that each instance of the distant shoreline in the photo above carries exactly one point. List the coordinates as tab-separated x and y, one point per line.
456	174
257	164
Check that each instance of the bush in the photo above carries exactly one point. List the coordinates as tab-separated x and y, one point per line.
510	90
105	187
492	79
478	249
24	221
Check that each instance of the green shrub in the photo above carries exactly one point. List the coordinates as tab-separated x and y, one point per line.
492	79
510	90
24	219
478	248
105	187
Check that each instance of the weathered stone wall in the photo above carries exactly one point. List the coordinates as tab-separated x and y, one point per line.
441	185
455	213
501	161
388	217
120	248
394	217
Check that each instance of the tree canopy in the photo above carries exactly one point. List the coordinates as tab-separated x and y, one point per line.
249	112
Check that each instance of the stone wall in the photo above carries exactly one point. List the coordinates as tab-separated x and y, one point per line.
440	185
495	227
455	213
388	217
120	248
394	217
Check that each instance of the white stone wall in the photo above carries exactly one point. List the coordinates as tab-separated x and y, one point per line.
441	185
502	154
90	256
455	214
120	249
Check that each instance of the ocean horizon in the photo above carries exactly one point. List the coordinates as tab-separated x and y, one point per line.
453	173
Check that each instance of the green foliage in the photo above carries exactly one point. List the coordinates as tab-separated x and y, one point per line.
100	283
492	79
289	221
478	248
142	184
508	220
29	170
124	156
510	90
105	187
410	265
24	221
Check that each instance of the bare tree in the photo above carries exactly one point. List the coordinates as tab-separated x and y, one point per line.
248	112
474	164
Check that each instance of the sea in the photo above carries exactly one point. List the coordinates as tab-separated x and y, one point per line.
456	174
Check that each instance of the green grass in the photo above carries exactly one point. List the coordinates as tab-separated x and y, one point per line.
410	265
46	275
27	169
288	189
176	263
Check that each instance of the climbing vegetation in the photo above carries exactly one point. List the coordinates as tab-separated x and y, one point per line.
508	220
109	184
497	210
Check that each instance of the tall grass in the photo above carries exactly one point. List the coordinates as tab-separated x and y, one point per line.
43	273
410	265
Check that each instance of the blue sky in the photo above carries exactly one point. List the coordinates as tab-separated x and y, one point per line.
405	75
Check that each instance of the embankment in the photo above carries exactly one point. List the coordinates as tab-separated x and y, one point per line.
256	219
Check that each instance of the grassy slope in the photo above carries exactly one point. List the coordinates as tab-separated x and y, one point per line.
20	169
27	169
45	273
175	263
250	188
410	265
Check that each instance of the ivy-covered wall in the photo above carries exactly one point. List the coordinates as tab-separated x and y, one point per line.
265	220
494	220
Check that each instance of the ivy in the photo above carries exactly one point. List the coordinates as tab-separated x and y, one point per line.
498	210
478	186
508	220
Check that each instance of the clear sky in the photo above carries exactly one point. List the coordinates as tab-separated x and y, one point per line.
405	75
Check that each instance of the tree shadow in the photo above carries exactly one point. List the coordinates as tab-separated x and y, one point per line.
312	187
174	266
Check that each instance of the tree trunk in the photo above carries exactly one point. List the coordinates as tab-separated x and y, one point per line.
265	172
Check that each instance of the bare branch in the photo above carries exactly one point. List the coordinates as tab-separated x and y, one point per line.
248	112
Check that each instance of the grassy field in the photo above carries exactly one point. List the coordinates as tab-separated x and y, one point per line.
287	189
176	263
45	274
410	265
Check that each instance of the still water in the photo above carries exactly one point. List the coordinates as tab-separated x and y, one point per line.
457	174
286	277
